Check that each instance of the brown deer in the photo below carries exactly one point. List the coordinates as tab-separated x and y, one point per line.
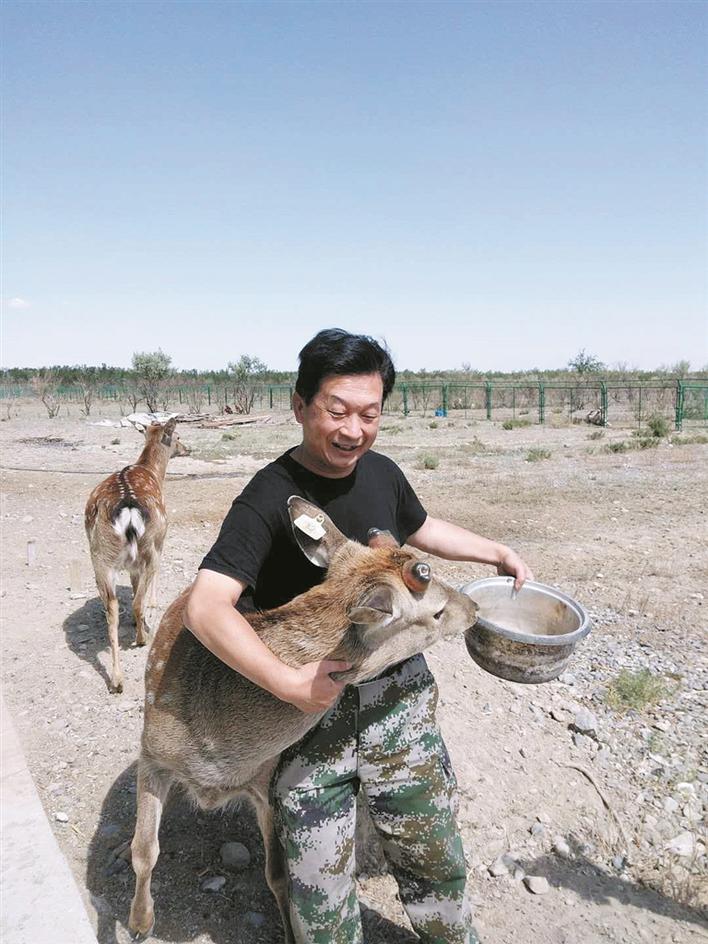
126	523
218	735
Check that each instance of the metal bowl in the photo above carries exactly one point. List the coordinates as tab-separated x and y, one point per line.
527	636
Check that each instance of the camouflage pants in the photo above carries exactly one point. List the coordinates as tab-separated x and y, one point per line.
382	737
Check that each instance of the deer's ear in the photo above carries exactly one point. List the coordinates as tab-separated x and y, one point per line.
376	608
316	534
170	425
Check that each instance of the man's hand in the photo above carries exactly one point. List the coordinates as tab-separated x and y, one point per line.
511	565
311	687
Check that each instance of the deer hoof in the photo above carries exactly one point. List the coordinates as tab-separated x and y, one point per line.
137	935
117	686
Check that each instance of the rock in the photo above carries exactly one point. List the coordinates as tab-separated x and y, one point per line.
618	862
537	884
61	817
213	884
583	742
681	845
538	830
561	847
234	855
502	865
498	868
585	722
567	678
670	805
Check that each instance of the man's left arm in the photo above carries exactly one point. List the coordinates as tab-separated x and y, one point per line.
452	542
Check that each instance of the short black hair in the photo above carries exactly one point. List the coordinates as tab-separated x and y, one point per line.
335	351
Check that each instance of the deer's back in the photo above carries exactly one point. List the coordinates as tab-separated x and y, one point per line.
208	724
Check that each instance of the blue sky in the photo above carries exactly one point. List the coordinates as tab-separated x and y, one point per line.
495	183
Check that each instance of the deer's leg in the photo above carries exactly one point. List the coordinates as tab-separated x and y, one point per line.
153	788
106	583
275	865
142	580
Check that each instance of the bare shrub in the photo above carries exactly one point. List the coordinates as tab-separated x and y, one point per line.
45	386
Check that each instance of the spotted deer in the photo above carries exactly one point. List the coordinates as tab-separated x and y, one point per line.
218	735
126	523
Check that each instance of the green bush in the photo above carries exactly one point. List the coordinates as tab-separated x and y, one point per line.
635	689
429	462
597	434
658	425
698	439
620	446
515	424
537	453
433	425
647	442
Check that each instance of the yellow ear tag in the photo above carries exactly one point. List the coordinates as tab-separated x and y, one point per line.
312	527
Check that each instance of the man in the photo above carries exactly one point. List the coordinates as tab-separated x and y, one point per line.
380	736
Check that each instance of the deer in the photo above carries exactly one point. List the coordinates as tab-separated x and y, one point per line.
126	523
219	736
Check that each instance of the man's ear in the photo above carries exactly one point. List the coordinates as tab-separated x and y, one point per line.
316	534
375	609
298	407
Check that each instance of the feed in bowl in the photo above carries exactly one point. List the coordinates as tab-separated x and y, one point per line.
527	636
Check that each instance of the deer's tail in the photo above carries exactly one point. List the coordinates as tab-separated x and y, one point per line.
128	522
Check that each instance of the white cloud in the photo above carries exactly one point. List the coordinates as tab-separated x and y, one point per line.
18	304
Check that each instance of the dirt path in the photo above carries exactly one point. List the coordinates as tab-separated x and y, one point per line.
622	532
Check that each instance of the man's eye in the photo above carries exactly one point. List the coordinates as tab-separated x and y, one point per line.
337	416
371	419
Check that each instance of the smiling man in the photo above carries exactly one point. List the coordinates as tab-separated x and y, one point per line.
380	736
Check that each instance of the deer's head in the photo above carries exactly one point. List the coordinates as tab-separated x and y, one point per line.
394	602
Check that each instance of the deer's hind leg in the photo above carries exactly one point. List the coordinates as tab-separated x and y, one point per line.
106	584
276	869
143	578
153	787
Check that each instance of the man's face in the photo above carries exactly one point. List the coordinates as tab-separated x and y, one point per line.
340	423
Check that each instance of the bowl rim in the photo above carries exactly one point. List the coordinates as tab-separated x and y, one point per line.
566	639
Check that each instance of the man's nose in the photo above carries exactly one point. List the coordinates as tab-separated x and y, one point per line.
351	427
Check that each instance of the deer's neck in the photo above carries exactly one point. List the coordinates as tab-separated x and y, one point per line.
155	458
299	634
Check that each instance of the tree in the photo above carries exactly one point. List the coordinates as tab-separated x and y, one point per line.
245	375
152	371
584	363
86	379
45	386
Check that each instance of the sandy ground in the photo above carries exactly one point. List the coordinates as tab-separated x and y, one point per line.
624	533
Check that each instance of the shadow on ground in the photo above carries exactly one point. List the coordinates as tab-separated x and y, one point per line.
86	631
587	880
242	912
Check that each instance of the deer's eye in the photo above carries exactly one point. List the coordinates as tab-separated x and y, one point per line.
436	616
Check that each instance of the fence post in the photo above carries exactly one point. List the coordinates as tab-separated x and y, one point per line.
488	399
603	402
404	391
444	399
541	403
209	394
270	397
678	418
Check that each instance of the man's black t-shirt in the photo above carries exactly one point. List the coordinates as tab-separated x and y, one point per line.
256	544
